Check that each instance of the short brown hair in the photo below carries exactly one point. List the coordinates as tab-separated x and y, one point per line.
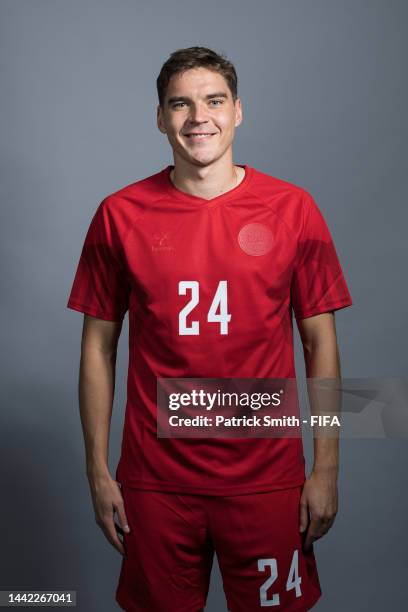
196	57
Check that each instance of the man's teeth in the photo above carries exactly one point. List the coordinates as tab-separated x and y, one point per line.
197	135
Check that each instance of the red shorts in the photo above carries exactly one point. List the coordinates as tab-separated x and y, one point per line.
172	539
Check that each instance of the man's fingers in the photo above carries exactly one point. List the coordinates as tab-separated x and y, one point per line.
317	529
120	510
310	538
107	501
118	529
303	516
108	527
311	535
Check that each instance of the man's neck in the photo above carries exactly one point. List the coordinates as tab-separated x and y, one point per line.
208	186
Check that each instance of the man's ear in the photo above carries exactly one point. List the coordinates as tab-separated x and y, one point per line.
160	123
238	112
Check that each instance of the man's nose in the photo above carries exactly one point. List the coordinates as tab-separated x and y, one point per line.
198	113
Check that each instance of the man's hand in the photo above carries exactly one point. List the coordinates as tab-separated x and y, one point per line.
318	505
107	499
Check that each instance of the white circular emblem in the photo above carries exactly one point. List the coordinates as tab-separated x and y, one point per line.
255	239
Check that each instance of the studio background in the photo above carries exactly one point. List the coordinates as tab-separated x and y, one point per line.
324	93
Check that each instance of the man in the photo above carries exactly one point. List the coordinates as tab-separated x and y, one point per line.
210	259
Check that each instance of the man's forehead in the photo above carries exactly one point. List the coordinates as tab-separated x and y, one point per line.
197	80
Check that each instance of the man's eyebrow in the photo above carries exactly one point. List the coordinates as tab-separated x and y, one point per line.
217	94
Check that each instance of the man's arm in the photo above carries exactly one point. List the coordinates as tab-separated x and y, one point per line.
96	393
319	502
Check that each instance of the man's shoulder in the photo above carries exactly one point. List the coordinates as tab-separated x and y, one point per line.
289	201
149	187
136	197
269	185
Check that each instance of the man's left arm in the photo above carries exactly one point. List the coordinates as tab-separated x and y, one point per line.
319	500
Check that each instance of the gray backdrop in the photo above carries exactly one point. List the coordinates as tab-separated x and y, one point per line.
324	92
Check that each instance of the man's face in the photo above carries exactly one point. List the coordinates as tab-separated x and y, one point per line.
199	101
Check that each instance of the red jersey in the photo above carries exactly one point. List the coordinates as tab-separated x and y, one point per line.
211	287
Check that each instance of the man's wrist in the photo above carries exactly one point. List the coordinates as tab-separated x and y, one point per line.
97	470
328	469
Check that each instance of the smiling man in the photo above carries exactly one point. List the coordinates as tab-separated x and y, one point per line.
212	260
200	127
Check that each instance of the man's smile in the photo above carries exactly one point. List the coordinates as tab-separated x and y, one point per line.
199	135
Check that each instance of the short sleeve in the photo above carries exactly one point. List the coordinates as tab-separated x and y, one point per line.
318	284
101	286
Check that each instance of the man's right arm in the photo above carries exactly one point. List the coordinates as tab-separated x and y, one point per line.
96	393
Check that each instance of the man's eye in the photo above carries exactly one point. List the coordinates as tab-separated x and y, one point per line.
216	101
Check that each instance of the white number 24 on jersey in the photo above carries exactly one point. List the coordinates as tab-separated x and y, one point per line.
293	580
220	303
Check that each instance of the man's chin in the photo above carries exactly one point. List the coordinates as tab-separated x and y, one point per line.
202	161
204	158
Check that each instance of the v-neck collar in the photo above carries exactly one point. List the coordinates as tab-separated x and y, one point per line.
193	199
